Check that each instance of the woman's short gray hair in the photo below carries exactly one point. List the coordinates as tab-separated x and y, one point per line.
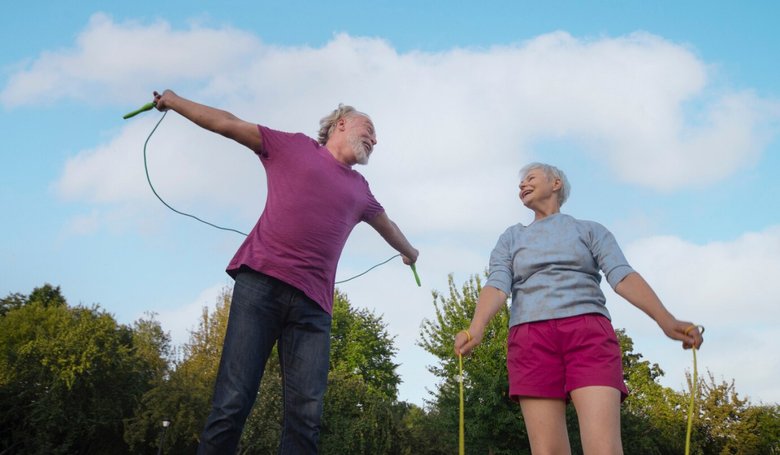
328	123
551	172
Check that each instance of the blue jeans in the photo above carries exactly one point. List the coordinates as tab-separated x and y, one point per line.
264	310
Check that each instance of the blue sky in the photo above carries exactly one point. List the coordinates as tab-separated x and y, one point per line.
663	114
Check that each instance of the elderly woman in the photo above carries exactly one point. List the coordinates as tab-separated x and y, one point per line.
561	343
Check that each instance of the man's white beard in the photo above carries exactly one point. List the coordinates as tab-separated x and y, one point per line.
361	156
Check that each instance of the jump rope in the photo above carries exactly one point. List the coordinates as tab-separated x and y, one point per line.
694	391
460	377
149	106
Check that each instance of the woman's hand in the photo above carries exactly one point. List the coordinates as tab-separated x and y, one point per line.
465	342
690	334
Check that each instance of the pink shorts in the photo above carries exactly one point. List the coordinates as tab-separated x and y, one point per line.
549	359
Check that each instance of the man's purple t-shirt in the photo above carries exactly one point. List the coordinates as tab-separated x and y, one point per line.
314	202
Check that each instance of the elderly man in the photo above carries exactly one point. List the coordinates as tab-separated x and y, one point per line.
285	270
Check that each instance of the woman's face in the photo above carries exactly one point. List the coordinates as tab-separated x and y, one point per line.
537	189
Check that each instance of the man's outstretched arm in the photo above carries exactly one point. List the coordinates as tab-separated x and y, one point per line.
212	119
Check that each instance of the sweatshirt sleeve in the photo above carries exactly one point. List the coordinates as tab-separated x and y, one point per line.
500	272
608	255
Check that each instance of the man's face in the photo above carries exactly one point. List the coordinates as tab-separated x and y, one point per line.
361	137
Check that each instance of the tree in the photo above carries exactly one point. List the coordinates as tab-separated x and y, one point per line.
728	424
357	418
69	376
46	295
361	345
12	302
493	420
153	345
183	398
425	432
762	423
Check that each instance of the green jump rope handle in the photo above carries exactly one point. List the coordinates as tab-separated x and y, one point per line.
416	277
144	108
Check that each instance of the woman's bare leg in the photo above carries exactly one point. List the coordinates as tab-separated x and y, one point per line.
545	420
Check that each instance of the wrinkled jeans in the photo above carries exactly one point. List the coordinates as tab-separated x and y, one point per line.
264	310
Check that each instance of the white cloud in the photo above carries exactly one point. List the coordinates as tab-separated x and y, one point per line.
713	279
192	170
449	135
731	289
118	62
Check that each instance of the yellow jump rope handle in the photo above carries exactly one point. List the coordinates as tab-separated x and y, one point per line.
694	391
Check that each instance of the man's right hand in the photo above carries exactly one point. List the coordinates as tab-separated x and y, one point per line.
161	100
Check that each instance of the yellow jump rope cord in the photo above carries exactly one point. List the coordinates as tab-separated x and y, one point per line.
461	424
694	391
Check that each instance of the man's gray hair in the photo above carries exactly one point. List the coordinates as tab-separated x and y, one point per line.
328	123
551	172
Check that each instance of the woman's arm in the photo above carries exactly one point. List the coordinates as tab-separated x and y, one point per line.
490	302
635	289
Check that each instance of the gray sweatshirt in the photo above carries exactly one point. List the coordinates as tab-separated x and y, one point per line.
551	268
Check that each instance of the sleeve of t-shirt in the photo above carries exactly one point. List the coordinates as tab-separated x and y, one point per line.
608	255
373	207
275	141
500	271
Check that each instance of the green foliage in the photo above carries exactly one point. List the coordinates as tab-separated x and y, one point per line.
47	296
183	398
357	419
73	380
153	345
761	424
728	424
425	433
361	346
69	376
12	302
